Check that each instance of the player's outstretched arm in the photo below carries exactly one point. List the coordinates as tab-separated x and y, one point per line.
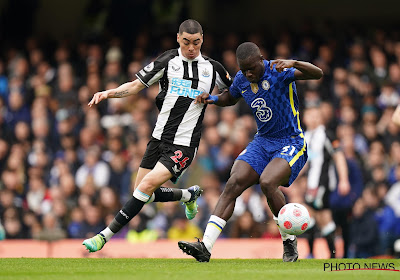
123	90
223	99
306	70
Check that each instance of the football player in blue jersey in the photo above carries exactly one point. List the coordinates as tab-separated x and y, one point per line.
278	152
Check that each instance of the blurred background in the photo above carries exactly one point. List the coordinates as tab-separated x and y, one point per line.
66	169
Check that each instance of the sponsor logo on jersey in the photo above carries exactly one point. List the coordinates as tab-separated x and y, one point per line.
149	67
205	73
265	85
263	113
254	87
175	68
182	87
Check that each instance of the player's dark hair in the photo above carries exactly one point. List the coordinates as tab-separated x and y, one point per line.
190	26
246	50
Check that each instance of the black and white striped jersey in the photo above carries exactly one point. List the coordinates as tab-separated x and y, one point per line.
181	80
321	146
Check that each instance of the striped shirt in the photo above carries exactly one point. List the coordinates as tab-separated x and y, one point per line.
322	145
181	80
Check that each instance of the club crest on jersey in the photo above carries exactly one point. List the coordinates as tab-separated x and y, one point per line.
265	85
205	73
184	88
149	67
254	87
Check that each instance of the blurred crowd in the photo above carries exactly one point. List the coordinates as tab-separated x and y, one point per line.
66	169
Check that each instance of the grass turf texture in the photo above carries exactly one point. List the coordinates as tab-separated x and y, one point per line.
154	269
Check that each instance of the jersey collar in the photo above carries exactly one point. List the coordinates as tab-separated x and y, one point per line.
199	57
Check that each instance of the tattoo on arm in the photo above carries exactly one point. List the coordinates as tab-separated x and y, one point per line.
121	93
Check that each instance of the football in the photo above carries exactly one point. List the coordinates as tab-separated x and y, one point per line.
293	218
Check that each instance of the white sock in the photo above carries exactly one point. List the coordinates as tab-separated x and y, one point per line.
328	229
213	230
151	199
284	236
107	233
186	196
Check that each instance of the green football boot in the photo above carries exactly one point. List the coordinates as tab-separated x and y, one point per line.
191	205
95	243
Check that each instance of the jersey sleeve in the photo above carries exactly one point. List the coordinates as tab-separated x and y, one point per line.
234	88
288	75
223	80
154	71
335	142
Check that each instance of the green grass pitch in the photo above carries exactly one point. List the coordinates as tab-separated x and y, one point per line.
188	269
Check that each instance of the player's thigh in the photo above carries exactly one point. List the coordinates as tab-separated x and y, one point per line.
287	161
154	179
276	173
242	176
177	159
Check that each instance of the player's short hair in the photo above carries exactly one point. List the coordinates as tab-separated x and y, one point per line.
190	26
246	50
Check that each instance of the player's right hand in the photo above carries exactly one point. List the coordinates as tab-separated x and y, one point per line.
282	64
203	98
99	96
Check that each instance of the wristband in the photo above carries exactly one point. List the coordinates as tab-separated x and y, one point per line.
214	98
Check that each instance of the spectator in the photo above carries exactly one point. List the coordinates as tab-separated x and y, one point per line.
137	231
93	222
93	169
363	232
75	226
182	228
51	229
246	227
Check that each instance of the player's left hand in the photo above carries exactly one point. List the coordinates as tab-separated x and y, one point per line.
344	187
281	64
203	98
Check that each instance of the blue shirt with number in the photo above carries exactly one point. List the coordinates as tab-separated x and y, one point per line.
273	100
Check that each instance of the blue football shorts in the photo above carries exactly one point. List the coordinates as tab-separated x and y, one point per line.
262	150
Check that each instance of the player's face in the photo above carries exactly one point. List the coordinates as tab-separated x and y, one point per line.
312	118
190	44
252	68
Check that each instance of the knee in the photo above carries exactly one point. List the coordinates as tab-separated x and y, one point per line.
268	186
234	188
147	187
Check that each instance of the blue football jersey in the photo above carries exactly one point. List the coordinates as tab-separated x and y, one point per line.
273	100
